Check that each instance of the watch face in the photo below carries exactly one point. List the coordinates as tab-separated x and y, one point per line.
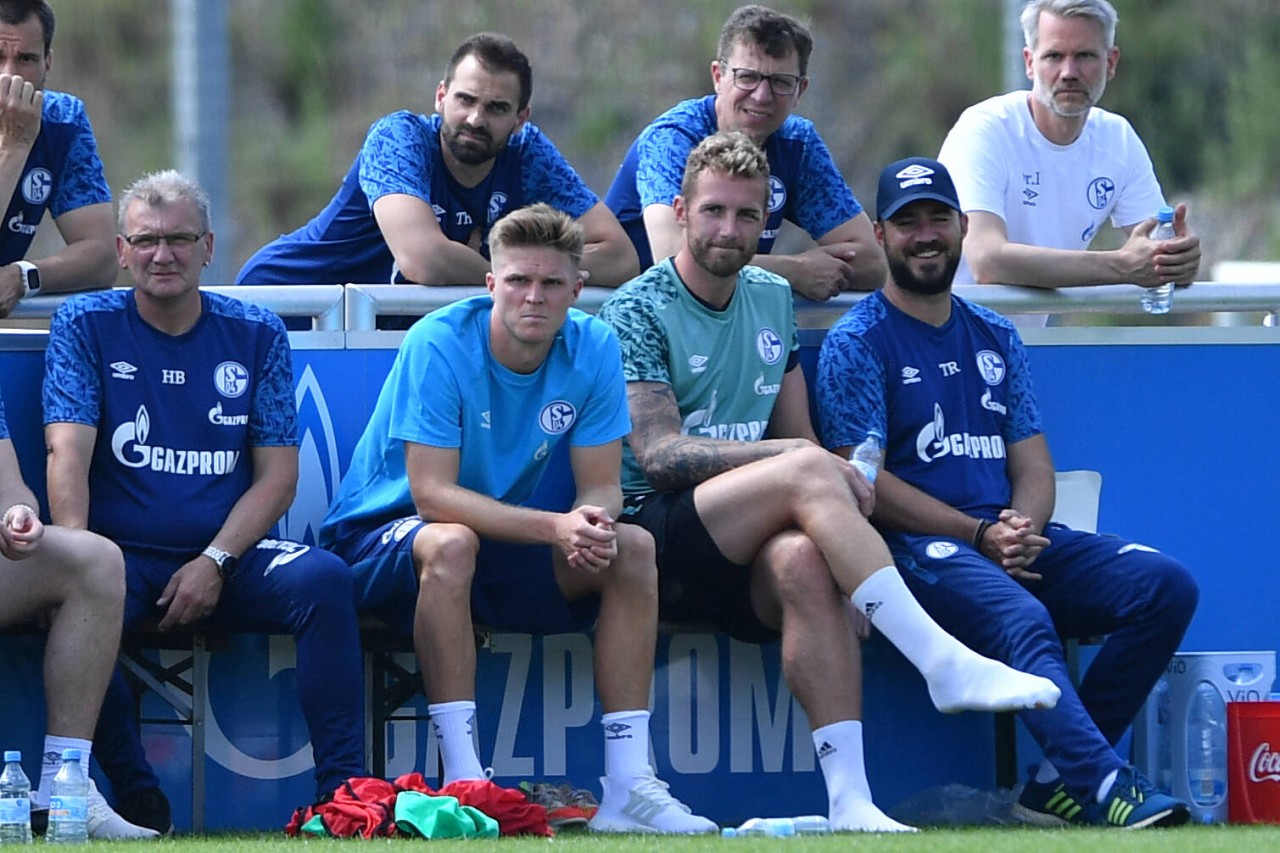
31	279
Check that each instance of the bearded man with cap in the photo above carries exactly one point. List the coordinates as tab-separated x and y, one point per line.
964	503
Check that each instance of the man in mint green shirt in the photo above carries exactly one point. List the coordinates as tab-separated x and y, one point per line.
758	529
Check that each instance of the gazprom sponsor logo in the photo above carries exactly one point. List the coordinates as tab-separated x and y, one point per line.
934	442
18	225
765	389
217	418
129	446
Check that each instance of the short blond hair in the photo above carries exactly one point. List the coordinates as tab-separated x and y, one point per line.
729	153
538	225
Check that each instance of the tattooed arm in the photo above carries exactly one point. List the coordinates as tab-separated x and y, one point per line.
672	460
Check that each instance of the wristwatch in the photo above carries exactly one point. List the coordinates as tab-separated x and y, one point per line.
227	563
30	278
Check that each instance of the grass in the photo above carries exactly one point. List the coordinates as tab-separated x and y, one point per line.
1201	839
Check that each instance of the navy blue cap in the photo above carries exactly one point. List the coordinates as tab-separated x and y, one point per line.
913	179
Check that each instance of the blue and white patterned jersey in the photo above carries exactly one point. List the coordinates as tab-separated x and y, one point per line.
402	156
805	185
446	390
62	173
176	416
725	368
948	400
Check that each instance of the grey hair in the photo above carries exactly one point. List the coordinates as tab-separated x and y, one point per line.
165	187
1099	10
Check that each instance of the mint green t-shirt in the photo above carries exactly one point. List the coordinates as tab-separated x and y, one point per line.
725	367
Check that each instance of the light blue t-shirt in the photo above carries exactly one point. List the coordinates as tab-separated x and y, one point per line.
446	389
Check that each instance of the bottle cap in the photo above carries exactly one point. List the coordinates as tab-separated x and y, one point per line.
70	755
1165	214
12	755
728	832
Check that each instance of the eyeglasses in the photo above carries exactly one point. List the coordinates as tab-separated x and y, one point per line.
177	241
781	85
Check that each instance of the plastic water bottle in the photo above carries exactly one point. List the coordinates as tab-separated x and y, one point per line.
868	456
69	802
15	801
1158	300
812	824
1206	748
1164	735
762	827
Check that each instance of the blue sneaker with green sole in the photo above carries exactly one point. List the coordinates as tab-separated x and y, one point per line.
1048	804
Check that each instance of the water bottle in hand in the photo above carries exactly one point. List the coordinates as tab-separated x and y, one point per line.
1158	300
868	456
15	801
69	802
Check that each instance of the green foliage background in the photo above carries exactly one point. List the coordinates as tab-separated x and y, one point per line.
1197	79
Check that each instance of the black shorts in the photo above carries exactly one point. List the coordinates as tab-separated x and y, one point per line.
697	585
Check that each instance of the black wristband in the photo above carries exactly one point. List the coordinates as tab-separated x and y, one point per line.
979	533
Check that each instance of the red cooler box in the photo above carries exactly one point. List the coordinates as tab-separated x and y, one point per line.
1253	762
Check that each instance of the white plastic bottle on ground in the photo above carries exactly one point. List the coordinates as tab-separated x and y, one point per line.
762	827
15	801
868	456
1158	300
812	824
69	802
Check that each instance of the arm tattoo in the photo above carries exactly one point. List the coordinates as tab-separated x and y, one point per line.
672	460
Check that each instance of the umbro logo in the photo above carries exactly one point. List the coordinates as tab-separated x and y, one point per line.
617	731
825	750
911	375
123	370
698	363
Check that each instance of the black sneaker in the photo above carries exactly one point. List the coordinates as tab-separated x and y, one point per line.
148	807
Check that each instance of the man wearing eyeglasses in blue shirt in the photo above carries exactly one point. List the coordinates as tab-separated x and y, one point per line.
759	76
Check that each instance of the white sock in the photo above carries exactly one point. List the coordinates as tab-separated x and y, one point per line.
840	754
626	745
1107	783
454	724
1047	772
51	760
959	678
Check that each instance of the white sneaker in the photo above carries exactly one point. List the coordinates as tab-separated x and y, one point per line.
647	806
105	824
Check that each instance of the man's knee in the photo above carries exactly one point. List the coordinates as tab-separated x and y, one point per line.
1176	591
800	573
444	556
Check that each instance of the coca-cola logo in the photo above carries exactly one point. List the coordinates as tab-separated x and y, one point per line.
1265	764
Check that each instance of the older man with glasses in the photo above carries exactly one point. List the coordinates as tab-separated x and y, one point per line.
759	75
172	430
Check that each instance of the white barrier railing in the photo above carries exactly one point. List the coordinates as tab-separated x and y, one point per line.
356	307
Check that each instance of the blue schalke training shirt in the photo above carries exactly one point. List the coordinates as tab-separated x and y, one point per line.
401	155
805	185
62	173
446	389
949	400
177	416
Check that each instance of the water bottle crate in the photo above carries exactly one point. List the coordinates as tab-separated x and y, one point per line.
1160	731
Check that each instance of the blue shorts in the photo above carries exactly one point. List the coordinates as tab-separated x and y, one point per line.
514	588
